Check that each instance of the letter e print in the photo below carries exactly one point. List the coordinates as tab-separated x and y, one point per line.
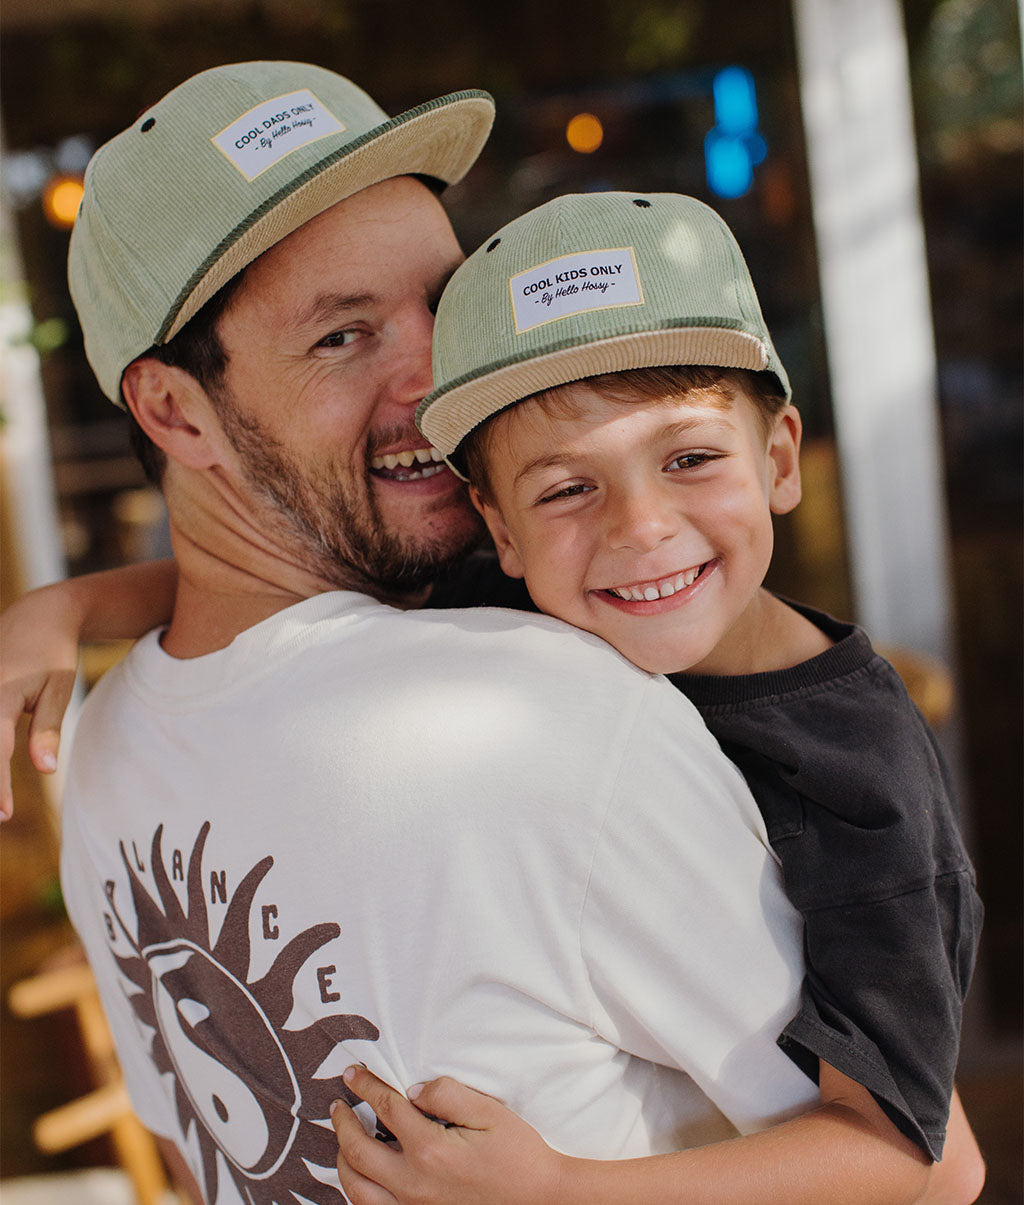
245	1086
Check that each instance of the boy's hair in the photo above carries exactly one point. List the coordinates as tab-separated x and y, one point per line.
633	385
197	350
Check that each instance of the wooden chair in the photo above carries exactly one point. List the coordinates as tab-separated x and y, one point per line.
69	983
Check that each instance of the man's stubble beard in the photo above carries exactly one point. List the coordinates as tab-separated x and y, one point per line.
340	528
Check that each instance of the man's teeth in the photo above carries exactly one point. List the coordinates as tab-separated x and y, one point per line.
406	459
663	588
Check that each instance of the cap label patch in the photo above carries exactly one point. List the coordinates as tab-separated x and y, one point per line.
273	129
572	284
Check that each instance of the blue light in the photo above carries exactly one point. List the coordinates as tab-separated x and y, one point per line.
734	146
727	165
735	100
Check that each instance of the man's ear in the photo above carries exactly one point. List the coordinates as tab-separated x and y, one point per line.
508	554
784	458
172	408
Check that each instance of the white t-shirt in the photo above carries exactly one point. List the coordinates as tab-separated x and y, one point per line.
476	843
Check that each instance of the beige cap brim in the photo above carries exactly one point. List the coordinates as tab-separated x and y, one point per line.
440	139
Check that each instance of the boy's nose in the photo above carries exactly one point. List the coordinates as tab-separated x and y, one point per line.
640	521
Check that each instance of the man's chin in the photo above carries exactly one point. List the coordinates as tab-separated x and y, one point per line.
435	511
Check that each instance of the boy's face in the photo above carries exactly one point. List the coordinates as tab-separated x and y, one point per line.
646	523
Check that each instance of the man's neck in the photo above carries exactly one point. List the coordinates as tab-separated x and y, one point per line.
217	599
236	566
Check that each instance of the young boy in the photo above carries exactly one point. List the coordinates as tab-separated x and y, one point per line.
635	497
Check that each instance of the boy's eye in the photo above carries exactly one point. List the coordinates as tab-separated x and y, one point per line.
690	460
567	491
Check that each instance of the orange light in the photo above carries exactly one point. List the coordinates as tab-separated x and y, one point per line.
584	133
61	199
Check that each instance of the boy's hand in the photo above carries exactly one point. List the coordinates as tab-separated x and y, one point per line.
38	657
476	1152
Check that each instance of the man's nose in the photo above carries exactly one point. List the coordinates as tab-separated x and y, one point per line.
413	379
639	519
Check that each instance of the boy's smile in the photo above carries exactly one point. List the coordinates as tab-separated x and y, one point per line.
646	523
655	591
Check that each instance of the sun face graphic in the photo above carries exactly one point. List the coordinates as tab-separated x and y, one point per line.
244	1084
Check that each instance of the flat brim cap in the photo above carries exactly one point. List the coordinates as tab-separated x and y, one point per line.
222	168
588	284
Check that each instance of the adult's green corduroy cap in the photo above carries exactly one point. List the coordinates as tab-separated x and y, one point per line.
588	284
221	169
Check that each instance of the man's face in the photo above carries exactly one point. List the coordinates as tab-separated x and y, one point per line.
646	523
328	346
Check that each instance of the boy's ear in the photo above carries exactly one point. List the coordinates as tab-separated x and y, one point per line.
508	554
784	456
172	408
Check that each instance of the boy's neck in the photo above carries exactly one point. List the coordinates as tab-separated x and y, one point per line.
770	636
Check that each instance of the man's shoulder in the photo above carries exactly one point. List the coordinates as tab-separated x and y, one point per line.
533	649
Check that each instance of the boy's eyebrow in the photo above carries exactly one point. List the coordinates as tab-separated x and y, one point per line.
537	465
675	430
685	426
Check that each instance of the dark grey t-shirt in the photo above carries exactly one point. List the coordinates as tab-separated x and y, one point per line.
857	804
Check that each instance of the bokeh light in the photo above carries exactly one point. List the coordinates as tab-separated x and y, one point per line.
61	199
584	133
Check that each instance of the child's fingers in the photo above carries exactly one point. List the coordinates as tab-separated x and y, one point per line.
7	729
47	717
391	1107
360	1157
446	1100
10	711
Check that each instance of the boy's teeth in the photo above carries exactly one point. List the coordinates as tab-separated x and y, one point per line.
650	591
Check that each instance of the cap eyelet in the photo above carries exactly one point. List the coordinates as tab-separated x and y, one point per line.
491	245
640	203
147	125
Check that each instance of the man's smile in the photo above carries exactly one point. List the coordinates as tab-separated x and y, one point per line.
408	464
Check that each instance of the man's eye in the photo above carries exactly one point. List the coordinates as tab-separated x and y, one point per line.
567	491
339	338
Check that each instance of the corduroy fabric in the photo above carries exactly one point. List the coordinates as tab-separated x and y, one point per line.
694	303
168	218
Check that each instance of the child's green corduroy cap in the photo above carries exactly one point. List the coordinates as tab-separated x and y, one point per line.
222	168
584	285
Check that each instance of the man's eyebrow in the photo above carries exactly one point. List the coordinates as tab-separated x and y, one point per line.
441	283
328	307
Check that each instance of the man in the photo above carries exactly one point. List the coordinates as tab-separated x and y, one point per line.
307	825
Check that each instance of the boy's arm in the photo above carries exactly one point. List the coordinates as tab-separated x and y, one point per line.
845	1151
39	638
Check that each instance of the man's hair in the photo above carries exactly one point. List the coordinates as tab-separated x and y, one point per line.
634	385
197	350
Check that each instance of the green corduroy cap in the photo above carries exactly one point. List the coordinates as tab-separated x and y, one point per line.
221	169
588	284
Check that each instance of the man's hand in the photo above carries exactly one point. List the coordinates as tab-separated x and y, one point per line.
458	1147
38	657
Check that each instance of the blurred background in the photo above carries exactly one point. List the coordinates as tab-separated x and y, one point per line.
868	156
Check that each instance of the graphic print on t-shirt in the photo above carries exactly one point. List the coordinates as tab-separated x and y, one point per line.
243	1083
